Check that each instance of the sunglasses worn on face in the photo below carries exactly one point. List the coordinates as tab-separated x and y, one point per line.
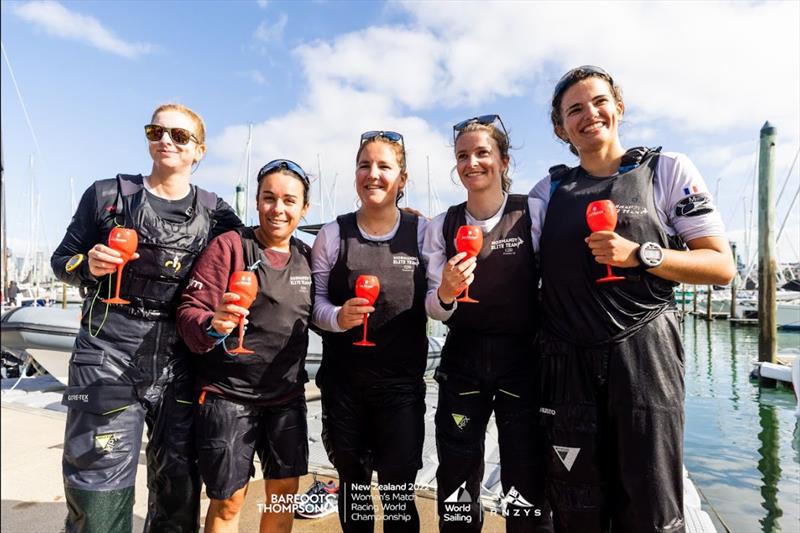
568	79
155	133
282	164
486	120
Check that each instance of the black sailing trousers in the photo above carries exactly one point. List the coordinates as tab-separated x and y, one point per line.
380	427
480	374
614	423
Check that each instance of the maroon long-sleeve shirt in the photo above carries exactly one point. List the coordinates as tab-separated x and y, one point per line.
208	282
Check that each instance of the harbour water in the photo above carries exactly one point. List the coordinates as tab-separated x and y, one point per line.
742	443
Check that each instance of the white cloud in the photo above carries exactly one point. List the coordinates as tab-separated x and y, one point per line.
704	71
57	20
701	65
402	64
270	32
262	3
328	125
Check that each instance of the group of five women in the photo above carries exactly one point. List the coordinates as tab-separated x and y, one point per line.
585	379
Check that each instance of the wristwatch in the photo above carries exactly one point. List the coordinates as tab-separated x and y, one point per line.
74	262
650	254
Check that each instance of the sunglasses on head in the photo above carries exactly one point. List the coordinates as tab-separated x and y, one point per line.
155	133
391	136
282	164
486	120
569	78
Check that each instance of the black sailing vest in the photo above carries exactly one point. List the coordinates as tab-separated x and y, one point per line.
277	332
506	281
154	282
398	325
577	309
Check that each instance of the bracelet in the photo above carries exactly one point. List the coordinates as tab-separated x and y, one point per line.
214	334
446	307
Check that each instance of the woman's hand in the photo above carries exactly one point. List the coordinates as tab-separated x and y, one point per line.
352	312
104	260
608	248
227	313
457	275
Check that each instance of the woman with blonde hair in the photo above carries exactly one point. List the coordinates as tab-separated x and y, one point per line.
129	368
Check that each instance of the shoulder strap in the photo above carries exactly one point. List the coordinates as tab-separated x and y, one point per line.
250	250
109	193
345	222
557	174
408	218
449	227
517	201
207	199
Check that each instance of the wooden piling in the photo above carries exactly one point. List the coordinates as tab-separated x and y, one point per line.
733	282
767	268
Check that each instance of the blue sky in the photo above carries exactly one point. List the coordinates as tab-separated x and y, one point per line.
698	78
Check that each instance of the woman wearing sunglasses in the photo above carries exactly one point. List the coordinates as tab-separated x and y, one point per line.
612	359
253	403
129	367
487	363
373	396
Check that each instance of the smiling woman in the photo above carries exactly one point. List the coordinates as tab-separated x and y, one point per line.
605	427
487	362
267	385
129	367
373	394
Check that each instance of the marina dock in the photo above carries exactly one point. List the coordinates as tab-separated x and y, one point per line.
33	499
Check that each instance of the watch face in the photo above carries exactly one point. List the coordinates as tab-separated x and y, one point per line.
74	262
651	254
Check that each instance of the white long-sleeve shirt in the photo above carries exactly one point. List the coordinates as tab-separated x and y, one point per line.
324	255
676	180
435	255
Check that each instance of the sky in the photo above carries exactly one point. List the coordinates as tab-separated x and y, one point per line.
309	77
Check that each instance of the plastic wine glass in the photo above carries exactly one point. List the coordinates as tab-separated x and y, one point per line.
601	215
367	287
469	239
245	284
125	241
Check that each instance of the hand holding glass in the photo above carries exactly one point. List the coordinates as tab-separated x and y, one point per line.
125	241
245	285
469	239
601	215
367	287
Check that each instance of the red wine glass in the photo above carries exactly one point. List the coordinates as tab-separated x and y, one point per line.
125	241
469	239
245	284
367	287
601	215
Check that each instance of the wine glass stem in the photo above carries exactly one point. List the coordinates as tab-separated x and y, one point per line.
609	270
119	278
366	318
241	331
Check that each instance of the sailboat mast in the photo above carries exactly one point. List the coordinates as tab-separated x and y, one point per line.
3	235
430	206
247	175
321	192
